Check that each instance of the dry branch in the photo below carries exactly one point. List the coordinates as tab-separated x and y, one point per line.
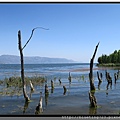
32	35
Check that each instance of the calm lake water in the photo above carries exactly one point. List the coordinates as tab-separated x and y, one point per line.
7	70
76	99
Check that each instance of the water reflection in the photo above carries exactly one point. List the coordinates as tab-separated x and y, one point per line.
109	84
52	90
25	106
46	99
92	111
107	87
99	83
31	93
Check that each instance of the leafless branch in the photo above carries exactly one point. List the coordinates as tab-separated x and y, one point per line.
32	35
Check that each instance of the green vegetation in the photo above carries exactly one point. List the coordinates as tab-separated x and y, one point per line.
110	60
13	85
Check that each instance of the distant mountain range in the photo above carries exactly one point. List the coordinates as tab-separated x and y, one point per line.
13	59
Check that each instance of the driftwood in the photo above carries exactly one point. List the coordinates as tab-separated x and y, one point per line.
92	87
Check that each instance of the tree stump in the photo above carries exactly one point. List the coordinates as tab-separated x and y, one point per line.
65	89
46	89
31	86
39	108
93	101
69	78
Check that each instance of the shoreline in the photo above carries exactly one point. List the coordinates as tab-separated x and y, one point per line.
108	65
86	69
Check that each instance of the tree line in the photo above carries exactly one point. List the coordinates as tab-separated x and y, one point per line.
112	58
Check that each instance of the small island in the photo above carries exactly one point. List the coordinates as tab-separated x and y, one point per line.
112	60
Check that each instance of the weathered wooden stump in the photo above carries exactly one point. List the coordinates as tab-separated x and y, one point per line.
65	89
93	101
46	89
31	86
39	108
52	84
69	78
60	81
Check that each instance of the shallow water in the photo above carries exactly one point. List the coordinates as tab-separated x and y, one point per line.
76	99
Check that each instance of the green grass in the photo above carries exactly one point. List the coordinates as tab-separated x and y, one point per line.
109	65
13	85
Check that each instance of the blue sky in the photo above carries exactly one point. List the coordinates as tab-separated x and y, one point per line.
74	29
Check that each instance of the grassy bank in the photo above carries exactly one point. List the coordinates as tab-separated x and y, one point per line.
109	65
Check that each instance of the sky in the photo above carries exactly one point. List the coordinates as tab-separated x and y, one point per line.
74	29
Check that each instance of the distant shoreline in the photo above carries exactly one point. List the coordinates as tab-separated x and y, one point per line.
108	65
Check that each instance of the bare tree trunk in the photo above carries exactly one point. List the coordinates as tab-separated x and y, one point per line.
100	79
22	67
92	87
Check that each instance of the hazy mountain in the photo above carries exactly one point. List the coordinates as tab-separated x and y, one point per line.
12	59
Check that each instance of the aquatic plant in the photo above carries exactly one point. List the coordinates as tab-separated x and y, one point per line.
13	85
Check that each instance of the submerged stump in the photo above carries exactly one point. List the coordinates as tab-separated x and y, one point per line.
39	108
93	101
65	89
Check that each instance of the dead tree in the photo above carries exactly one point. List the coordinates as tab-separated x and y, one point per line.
22	67
22	61
39	108
92	87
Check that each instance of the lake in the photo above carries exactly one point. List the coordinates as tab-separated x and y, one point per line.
76	99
